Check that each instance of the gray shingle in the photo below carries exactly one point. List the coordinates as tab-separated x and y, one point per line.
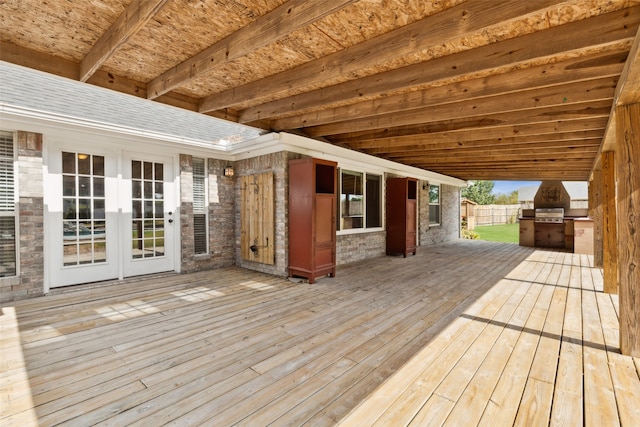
27	88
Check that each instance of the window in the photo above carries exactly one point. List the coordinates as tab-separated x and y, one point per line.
83	204
374	201
434	204
199	206
8	253
360	200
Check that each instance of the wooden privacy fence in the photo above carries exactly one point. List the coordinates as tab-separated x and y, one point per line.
496	214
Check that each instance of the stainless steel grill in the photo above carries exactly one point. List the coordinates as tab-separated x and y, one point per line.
550	215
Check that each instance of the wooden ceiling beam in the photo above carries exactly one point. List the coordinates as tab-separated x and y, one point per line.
510	164
413	134
548	166
427	143
602	64
522	169
569	39
132	20
449	25
627	92
266	29
529	174
19	55
483	145
479	157
555	96
595	110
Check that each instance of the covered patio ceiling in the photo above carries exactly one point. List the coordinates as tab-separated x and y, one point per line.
473	89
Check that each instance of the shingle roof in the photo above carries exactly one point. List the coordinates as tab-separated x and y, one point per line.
31	89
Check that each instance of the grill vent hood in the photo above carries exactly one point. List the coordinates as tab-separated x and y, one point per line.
552	194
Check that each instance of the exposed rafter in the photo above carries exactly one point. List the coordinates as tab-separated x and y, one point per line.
627	92
132	20
273	26
448	26
608	64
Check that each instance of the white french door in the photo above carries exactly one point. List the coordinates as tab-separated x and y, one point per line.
109	215
82	222
149	218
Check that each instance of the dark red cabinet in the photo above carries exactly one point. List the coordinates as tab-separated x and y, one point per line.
401	215
312	218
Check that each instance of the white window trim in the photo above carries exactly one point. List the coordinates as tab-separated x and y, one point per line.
439	204
364	173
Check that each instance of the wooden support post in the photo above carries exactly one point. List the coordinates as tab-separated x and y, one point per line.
609	242
628	173
595	212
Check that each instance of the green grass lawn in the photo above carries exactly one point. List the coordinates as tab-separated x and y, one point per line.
509	233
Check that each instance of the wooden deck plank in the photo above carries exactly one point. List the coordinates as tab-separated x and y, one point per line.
466	333
530	315
567	406
599	398
502	407
407	404
372	408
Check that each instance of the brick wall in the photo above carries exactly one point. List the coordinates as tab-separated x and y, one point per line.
360	246
30	218
449	228
221	217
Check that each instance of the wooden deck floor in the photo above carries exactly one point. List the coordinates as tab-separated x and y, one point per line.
468	333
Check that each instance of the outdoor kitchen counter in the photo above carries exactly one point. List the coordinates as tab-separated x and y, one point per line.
583	236
577	230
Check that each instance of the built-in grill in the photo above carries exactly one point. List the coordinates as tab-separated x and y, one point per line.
549	215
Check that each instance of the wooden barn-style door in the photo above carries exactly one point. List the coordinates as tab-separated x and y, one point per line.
257	231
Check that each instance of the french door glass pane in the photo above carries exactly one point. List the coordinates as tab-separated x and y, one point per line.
83	209
147	205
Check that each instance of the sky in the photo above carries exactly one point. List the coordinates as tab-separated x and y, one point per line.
506	187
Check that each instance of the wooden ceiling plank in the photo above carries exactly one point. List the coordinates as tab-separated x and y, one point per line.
561	95
448	25
409	134
604	64
569	39
266	29
132	20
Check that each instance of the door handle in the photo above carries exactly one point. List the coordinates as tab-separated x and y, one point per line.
170	221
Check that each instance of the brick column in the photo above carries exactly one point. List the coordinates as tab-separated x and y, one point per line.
186	213
30	216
